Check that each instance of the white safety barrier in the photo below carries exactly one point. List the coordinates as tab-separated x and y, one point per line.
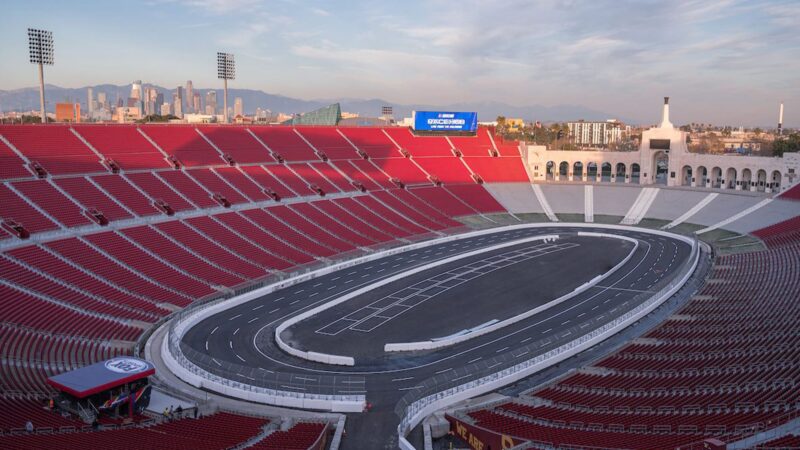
189	372
423	407
349	360
434	344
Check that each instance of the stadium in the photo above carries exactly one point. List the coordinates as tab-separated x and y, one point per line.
362	287
319	284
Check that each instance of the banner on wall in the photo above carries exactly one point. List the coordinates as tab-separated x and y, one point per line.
479	438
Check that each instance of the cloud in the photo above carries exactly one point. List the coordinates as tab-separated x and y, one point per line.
606	54
370	58
217	6
245	37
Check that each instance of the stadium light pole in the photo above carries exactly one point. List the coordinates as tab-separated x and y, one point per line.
226	70
40	45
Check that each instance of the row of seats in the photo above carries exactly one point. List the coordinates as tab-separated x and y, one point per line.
88	148
301	436
725	365
17	411
574	437
46	205
31	355
792	194
781	234
203	433
84	295
790	441
103	285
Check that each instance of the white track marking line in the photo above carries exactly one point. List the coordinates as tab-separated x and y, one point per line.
283	363
403	379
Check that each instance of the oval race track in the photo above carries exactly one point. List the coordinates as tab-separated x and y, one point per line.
243	336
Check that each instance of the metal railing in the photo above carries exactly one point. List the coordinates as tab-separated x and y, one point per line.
492	370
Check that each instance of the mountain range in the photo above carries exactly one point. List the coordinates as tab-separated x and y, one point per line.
27	99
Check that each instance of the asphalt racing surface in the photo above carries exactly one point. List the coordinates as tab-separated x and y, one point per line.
447	299
457	296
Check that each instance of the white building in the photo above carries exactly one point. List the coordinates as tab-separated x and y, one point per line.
166	109
663	158
595	134
238	107
199	118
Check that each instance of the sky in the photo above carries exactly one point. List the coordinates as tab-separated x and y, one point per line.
723	62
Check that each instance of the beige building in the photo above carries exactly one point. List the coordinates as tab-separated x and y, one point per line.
68	112
514	125
663	158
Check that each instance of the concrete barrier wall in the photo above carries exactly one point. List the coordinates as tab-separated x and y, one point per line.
179	366
259	395
439	401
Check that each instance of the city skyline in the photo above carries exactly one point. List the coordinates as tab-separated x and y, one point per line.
726	62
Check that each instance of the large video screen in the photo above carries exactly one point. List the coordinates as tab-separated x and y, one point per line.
445	121
659	144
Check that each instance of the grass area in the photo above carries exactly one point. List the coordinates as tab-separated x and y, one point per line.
686	228
503	219
604	219
754	246
532	217
476	222
498	220
653	223
715	235
725	242
570	217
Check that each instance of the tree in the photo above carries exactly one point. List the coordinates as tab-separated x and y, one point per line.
501	125
156	118
786	144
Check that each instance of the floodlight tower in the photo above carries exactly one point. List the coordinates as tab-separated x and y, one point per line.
226	70
40	44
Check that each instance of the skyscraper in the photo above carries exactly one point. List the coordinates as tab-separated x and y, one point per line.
166	108
196	103
179	94
211	102
177	102
136	90
90	101
238	107
190	97
159	101
150	107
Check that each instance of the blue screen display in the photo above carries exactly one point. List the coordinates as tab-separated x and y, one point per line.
445	121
